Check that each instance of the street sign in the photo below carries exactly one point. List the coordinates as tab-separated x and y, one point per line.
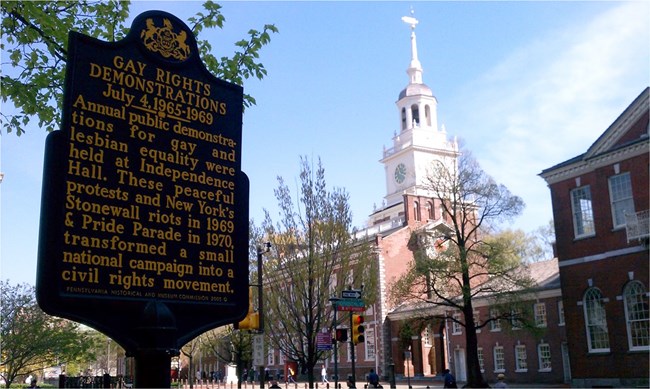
323	341
258	350
354	305
351	294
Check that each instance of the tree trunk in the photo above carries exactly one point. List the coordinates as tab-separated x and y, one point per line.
474	376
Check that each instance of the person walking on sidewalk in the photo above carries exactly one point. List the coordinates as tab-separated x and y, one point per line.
373	379
290	379
450	380
323	375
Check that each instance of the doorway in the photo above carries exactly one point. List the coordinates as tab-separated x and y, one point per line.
459	365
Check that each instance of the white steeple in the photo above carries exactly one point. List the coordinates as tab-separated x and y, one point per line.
415	69
419	140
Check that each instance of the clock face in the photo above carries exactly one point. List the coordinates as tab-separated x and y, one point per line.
400	173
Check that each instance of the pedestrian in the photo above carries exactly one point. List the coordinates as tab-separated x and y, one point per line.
290	378
450	380
351	383
323	374
274	385
373	379
501	383
32	383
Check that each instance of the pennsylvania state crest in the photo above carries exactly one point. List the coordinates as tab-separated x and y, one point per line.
165	41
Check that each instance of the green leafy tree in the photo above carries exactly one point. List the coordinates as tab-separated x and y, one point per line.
313	257
34	45
543	238
30	339
465	259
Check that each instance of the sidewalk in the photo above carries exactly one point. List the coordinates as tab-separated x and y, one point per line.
415	383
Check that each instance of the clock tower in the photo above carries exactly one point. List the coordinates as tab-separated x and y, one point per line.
418	142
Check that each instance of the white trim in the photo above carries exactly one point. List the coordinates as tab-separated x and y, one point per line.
601	256
627	318
586	166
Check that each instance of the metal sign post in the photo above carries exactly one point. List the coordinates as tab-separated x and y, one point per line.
351	302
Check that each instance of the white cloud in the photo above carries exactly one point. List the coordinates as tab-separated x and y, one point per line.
549	101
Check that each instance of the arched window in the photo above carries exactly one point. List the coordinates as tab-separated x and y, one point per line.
416	115
416	210
595	321
637	316
431	210
427	114
403	118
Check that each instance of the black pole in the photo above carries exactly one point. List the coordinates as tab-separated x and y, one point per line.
152	369
153	357
352	347
260	307
260	301
336	349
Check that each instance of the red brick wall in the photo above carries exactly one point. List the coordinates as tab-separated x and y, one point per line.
606	239
396	256
610	276
554	334
593	259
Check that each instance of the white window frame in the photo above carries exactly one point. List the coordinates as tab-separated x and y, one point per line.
544	357
481	360
456	328
515	323
637	320
477	321
595	317
620	197
521	363
499	359
333	286
495	325
582	212
349	349
426	335
560	313
540	314
270	357
369	344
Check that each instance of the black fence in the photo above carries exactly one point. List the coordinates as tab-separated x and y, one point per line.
105	381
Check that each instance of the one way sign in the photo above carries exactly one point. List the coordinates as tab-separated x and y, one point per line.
351	294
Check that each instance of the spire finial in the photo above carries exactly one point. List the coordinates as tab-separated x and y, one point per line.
415	69
410	19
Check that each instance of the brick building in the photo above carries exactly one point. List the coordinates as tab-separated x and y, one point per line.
523	356
600	211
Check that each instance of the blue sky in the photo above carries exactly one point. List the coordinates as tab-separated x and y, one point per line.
525	85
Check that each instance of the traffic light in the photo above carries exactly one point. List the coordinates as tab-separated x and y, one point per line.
357	329
341	334
252	320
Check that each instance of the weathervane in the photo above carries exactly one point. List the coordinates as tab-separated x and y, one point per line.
410	20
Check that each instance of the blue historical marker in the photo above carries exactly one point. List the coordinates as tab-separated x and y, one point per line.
144	211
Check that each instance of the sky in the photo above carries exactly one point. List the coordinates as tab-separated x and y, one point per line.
524	85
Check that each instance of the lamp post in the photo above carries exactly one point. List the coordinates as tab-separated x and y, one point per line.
260	299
